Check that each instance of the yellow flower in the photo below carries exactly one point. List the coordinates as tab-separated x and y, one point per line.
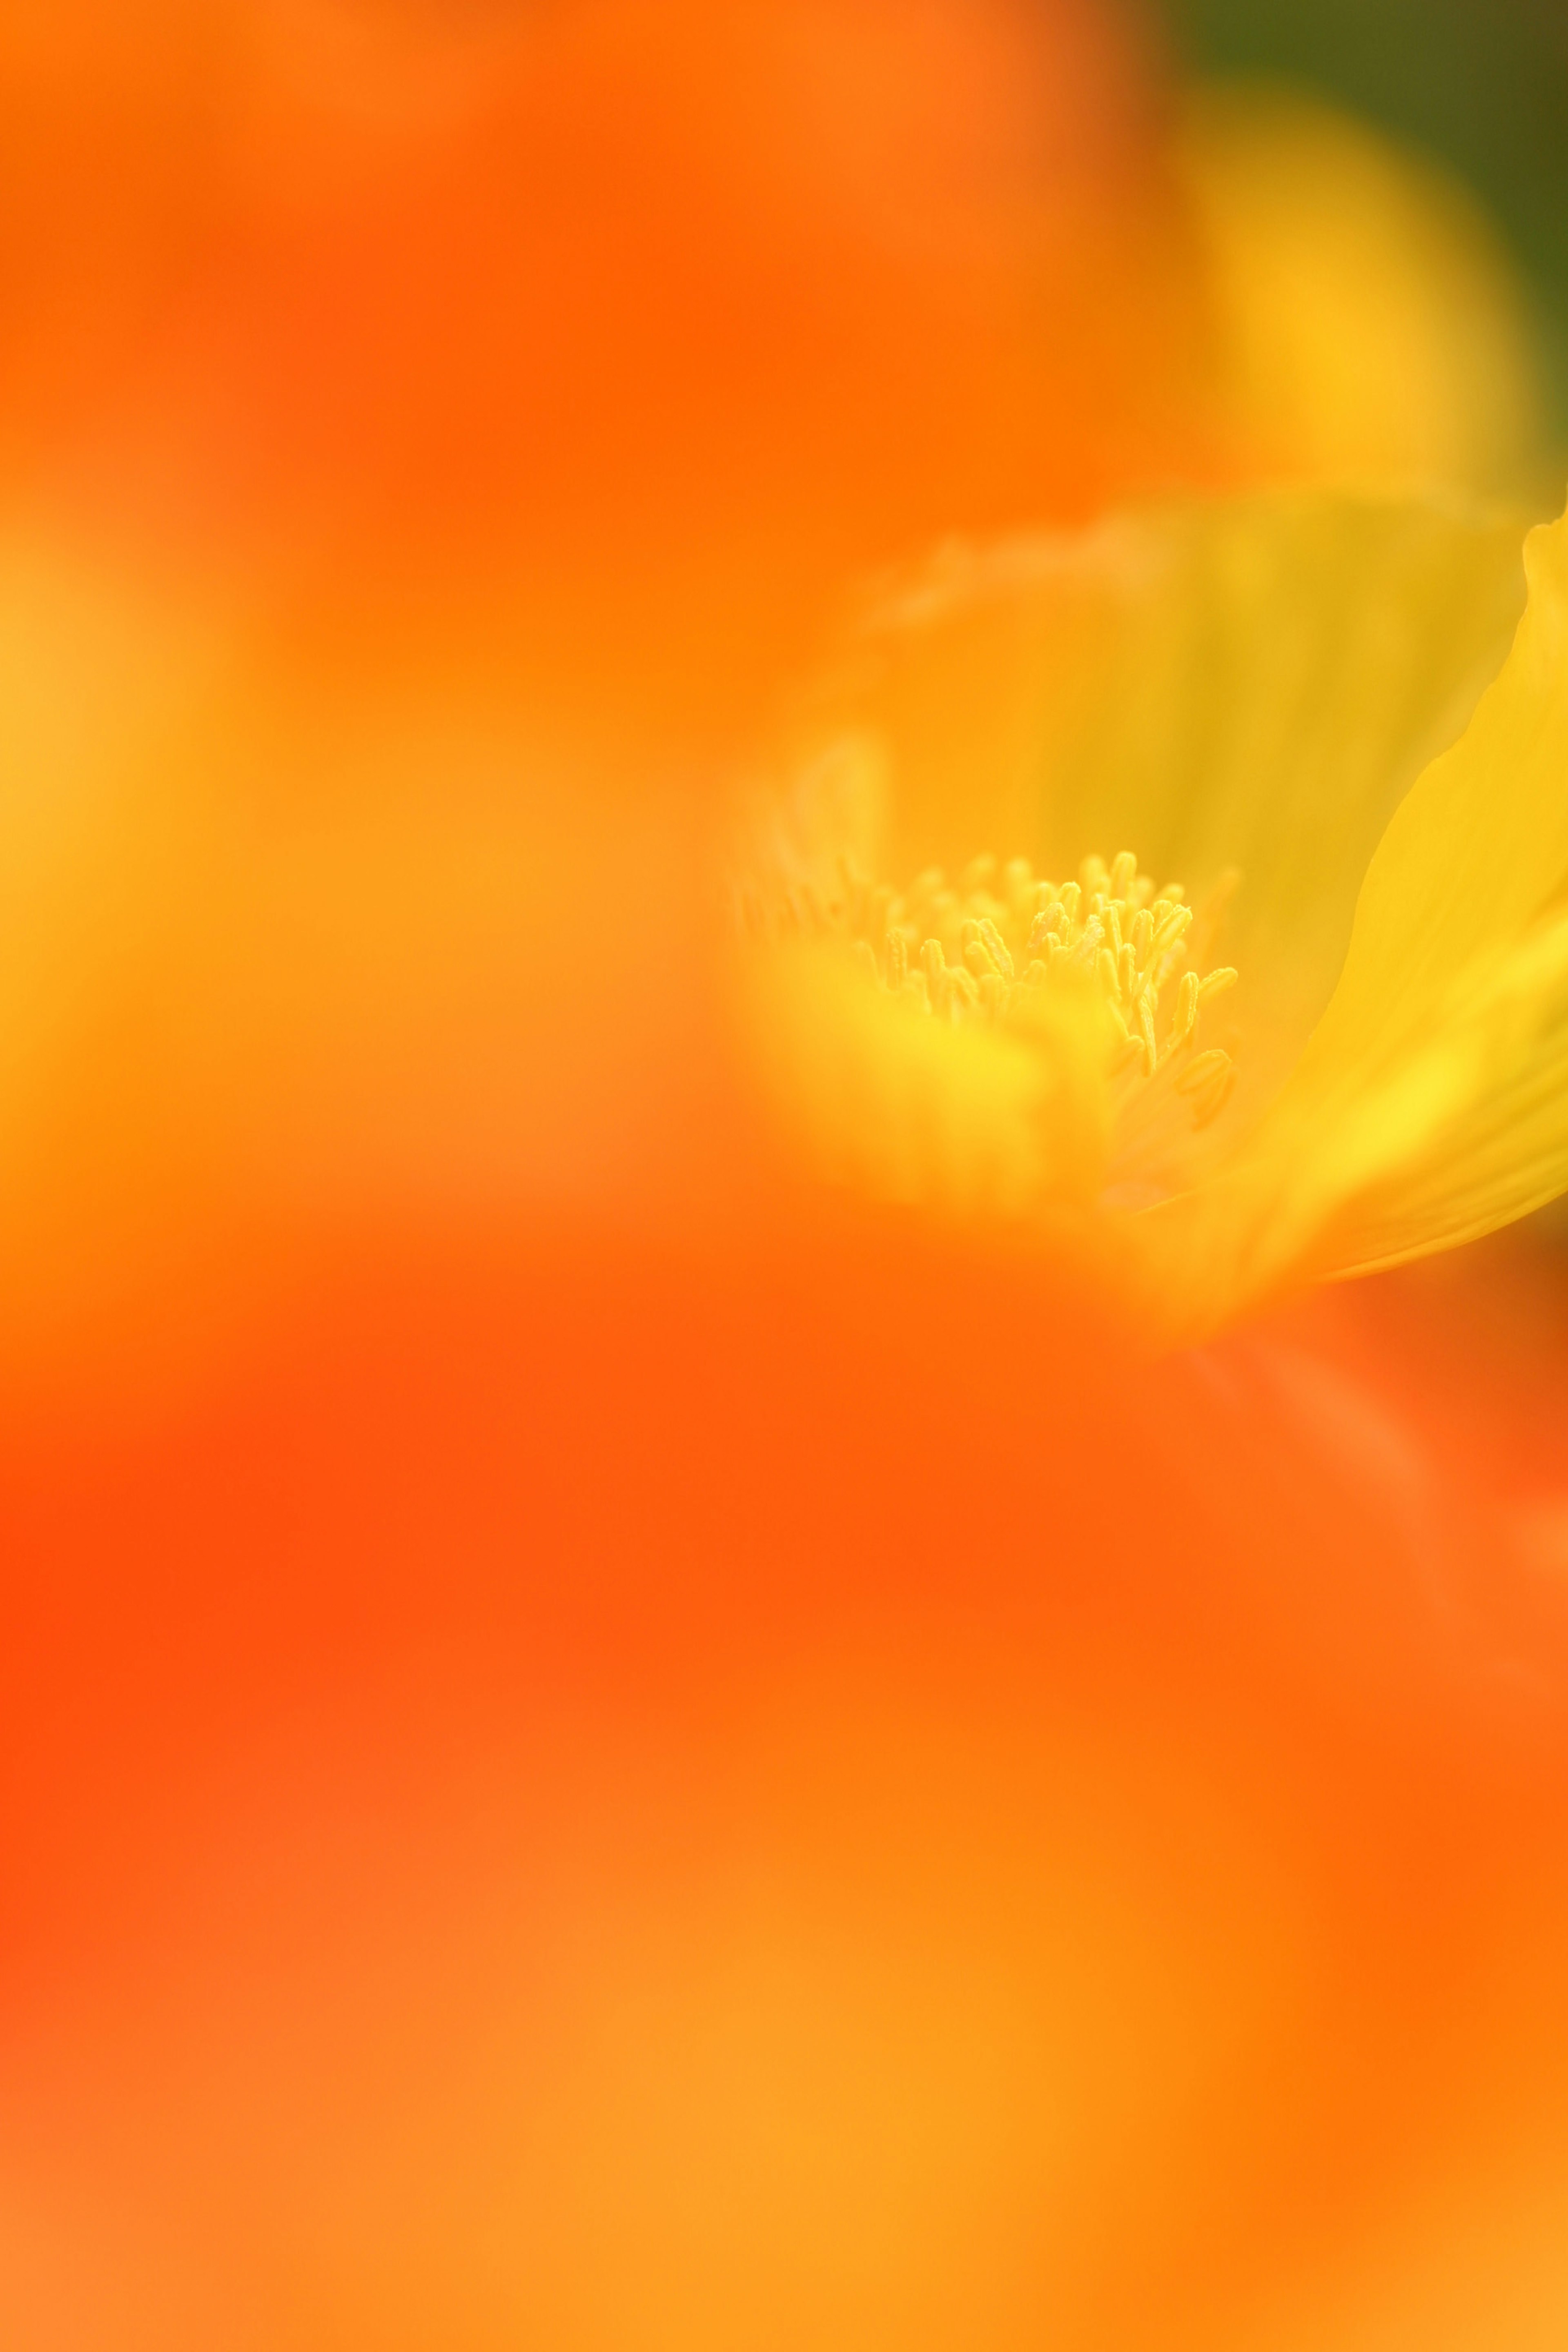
1270	982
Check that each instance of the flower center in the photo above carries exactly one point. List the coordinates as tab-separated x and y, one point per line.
994	945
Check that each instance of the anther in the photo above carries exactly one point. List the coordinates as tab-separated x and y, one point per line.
996	947
1187	1013
1127	972
1146	1026
1083	957
976	950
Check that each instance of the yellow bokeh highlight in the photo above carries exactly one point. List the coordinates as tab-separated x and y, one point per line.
1371	320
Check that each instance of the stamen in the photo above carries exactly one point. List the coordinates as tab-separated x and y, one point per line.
1146	1022
996	947
1173	929
1186	1017
1142	937
1085	956
1126	974
1111	930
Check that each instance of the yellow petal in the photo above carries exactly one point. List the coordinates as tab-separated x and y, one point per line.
1480	846
1503	1150
1431	1090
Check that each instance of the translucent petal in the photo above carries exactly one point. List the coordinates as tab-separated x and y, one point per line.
1432	1091
1247	684
1479	848
1469	1131
1507	1157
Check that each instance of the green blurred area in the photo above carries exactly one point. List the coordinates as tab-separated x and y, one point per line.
1481	84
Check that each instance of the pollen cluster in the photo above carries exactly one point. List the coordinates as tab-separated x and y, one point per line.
993	944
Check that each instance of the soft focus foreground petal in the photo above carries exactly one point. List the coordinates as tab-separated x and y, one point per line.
724	1800
1377	329
287	957
503	392
913	1110
665	314
1432	1083
1245	686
